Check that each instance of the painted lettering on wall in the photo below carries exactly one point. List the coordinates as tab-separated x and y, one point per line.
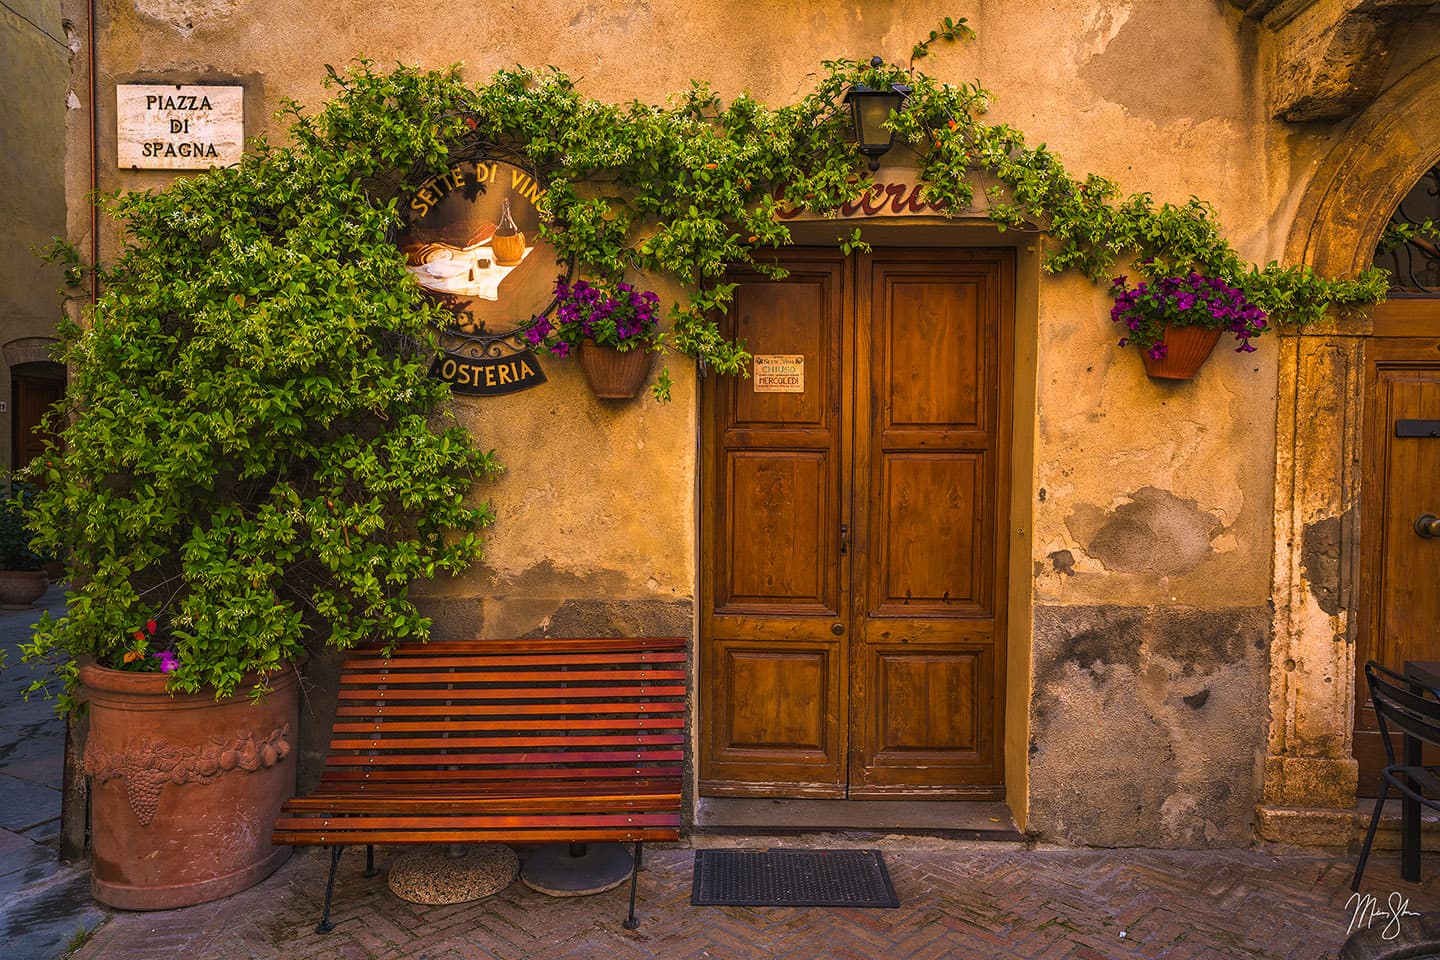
489	376
880	200
484	174
178	127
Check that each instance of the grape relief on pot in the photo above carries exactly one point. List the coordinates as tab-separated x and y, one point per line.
148	763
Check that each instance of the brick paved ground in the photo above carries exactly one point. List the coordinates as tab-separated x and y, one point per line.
957	902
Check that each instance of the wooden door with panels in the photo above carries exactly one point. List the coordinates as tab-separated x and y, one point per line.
853	571
1400	482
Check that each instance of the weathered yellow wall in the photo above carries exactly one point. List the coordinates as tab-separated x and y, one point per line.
1150	505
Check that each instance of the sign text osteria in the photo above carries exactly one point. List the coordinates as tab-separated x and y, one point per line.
165	126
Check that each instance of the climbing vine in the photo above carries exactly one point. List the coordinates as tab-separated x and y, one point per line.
693	187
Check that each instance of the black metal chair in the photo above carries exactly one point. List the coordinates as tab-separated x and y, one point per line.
1399	710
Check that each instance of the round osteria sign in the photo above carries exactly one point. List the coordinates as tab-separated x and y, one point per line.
472	242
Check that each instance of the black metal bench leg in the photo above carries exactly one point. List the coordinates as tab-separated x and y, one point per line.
630	922
325	925
370	870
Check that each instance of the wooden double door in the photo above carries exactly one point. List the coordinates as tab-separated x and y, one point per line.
853	530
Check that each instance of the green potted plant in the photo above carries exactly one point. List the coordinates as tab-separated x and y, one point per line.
23	579
255	466
1176	321
613	326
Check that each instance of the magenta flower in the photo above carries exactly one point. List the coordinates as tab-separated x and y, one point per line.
613	314
168	661
1183	300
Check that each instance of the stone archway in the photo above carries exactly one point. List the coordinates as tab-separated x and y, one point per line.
1308	793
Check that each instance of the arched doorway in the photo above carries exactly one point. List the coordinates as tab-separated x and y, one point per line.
1310	774
1397	607
37	383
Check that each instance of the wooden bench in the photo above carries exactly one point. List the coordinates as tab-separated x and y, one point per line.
512	741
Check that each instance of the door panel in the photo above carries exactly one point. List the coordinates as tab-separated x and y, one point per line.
778	497
775	695
851	558
930	323
1400	605
929	552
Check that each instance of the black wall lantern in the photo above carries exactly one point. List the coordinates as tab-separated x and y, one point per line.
869	109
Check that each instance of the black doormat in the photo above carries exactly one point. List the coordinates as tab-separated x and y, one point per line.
792	878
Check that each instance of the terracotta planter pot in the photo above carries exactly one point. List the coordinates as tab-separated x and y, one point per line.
184	789
19	589
612	374
1187	348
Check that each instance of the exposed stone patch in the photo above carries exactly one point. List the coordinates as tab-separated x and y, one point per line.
1320	560
1155	532
1218	638
1064	562
1146	723
619	618
1099	639
453	618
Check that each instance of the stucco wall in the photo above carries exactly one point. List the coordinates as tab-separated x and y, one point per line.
1150	505
34	71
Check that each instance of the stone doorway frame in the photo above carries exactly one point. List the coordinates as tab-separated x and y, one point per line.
1309	778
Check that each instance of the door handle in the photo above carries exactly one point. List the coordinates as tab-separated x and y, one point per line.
844	539
1427	525
837	628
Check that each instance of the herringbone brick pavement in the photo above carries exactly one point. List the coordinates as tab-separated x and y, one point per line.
957	903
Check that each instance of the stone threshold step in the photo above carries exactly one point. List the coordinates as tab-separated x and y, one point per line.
787	817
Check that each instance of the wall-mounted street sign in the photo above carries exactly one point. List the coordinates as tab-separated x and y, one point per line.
472	241
167	126
779	373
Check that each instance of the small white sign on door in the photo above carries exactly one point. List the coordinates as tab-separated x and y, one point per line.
779	373
168	126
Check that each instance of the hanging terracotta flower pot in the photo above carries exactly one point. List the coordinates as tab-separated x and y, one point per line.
184	788
614	374
1186	349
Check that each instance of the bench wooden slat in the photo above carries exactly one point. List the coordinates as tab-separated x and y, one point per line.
413	744
460	821
555	694
523	759
525	647
472	662
388	725
393	679
630	799
505	710
494	773
475	835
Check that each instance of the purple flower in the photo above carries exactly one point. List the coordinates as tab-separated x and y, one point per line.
168	661
1184	299
612	313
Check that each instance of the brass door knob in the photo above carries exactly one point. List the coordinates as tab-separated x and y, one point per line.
1427	525
837	628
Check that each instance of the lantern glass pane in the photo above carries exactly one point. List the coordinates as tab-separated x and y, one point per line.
872	110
